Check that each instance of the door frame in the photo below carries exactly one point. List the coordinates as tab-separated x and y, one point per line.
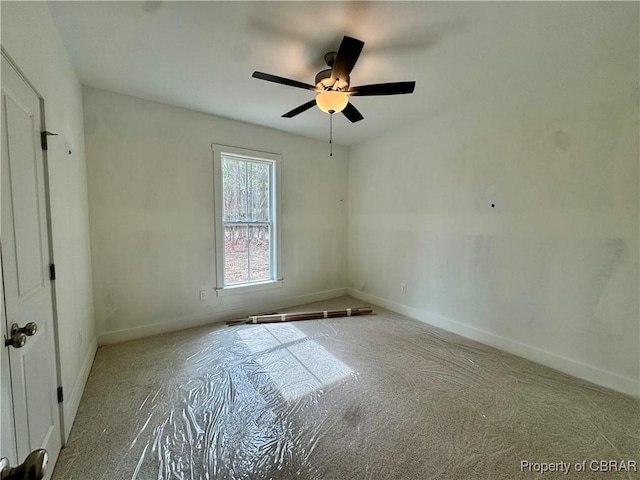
54	307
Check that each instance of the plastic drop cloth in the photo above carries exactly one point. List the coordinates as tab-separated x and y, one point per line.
373	397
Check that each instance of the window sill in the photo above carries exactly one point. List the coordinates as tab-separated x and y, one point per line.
248	288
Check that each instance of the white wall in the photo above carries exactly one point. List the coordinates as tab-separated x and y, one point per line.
33	42
550	273
150	176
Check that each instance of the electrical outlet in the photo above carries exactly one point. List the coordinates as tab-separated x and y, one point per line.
403	288
203	294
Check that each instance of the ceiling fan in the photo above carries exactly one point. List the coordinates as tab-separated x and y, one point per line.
333	84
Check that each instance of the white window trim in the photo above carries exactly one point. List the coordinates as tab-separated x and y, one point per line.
218	151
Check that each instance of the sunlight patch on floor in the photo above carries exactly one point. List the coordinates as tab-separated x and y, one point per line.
296	364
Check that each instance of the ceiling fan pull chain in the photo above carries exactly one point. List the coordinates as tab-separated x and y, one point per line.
331	134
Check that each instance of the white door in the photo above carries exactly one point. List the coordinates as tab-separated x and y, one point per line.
25	268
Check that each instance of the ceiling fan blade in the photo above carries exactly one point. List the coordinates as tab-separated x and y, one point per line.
282	80
396	88
300	109
352	113
346	58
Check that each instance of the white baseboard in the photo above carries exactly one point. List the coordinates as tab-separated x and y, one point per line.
72	403
213	317
590	373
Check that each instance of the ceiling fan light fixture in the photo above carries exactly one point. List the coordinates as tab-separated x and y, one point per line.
331	101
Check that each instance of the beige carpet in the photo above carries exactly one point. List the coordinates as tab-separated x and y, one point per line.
374	397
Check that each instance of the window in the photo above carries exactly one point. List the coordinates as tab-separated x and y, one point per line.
247	219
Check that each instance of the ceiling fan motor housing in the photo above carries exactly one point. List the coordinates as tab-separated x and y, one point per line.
323	78
324	82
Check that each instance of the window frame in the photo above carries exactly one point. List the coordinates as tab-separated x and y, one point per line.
219	151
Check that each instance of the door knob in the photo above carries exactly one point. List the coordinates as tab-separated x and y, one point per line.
34	467
29	329
19	335
17	340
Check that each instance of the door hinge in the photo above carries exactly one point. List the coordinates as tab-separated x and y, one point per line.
52	272
60	395
43	138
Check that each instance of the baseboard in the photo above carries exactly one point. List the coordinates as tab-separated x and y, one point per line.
213	317
72	402
590	373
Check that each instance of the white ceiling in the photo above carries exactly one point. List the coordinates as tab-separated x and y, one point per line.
200	55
